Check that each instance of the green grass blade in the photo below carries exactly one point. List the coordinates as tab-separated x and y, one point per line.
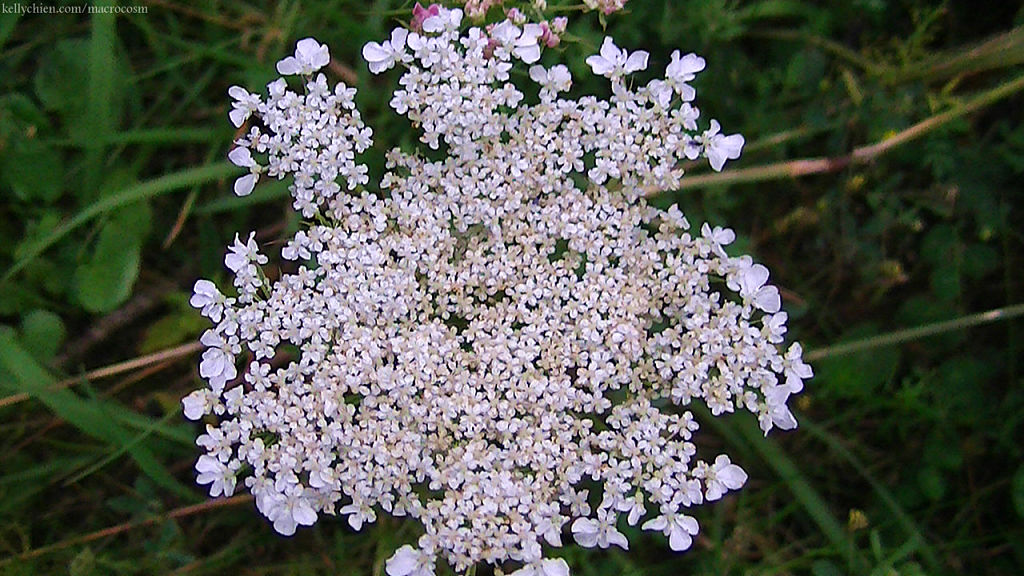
21	485
112	456
101	92
93	417
902	518
271	191
169	183
788	472
158	136
181	434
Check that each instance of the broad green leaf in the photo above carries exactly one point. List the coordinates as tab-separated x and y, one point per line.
942	451
134	220
33	170
61	76
42	333
49	275
979	260
83	564
825	568
19	112
172	329
945	282
14	298
106	280
962	388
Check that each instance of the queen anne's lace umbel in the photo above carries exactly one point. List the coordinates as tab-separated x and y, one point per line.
500	344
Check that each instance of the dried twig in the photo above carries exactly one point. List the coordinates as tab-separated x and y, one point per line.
862	155
126	526
114	369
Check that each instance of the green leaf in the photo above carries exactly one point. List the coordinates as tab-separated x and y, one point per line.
14	298
96	418
932	484
102	95
7	23
980	260
106	281
1017	491
945	282
168	183
42	333
805	71
939	244
859	374
881	490
172	329
83	564
942	451
61	76
803	490
134	220
19	112
961	388
825	568
33	170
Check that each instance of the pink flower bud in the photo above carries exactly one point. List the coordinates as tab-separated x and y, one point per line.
419	14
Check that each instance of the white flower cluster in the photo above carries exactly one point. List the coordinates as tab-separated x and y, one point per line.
501	344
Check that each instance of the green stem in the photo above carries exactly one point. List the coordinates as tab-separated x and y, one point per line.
910	334
1002	51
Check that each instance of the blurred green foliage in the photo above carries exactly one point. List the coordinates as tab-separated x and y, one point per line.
115	197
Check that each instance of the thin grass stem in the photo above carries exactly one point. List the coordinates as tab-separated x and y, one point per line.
910	334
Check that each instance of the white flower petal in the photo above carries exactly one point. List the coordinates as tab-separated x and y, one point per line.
284	524
304	513
374	52
768	299
402	562
238	117
241	157
554	567
618	539
287	67
194	405
679	540
636	62
609	51
245	184
732	476
600	66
